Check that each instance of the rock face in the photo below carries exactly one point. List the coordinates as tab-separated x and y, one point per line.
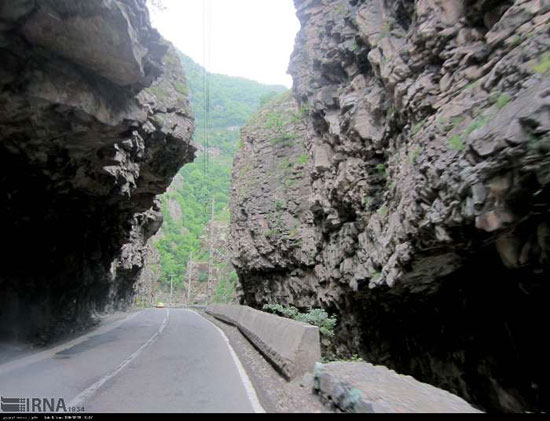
271	221
93	126
429	138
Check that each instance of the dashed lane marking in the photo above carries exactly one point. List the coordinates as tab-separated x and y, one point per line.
83	396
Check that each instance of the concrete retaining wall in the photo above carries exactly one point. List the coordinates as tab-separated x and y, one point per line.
293	347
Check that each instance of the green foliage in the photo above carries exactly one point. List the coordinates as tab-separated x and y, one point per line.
502	100
455	143
414	154
416	128
274	121
266	98
473	84
382	170
543	64
383	211
284	164
376	275
233	101
280	205
316	317
303	159
226	290
333	358
181	88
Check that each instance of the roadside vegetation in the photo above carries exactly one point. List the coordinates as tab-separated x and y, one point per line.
316	317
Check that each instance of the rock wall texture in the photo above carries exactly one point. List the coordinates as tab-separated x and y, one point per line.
363	388
271	221
428	191
94	123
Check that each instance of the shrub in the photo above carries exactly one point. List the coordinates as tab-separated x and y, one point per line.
316	317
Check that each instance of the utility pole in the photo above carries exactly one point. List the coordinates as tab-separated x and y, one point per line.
189	278
210	269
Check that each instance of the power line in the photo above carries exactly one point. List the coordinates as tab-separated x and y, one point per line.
207	47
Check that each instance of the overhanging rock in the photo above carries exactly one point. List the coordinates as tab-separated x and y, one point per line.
293	347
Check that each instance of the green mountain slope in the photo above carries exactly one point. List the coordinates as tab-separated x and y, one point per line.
187	204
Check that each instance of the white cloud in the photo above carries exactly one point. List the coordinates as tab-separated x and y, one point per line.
248	38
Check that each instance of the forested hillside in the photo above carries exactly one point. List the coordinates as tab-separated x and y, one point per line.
187	204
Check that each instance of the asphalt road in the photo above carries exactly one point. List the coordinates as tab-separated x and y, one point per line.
158	360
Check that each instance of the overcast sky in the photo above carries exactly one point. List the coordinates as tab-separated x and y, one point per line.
248	38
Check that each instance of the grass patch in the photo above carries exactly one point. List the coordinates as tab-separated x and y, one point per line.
414	154
543	64
456	143
303	159
502	100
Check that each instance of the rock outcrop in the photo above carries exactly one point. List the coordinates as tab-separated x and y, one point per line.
271	222
359	387
429	138
95	123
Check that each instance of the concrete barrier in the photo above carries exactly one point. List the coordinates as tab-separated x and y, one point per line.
293	347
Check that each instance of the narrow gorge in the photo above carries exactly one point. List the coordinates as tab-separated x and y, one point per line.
402	186
405	189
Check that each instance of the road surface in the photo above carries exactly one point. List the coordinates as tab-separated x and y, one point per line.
158	360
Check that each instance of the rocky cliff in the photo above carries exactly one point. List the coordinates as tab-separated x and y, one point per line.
94	124
271	222
428	195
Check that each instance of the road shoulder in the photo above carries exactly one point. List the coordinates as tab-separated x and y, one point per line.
275	394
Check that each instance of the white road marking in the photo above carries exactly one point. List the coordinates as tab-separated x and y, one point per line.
250	391
49	353
83	396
